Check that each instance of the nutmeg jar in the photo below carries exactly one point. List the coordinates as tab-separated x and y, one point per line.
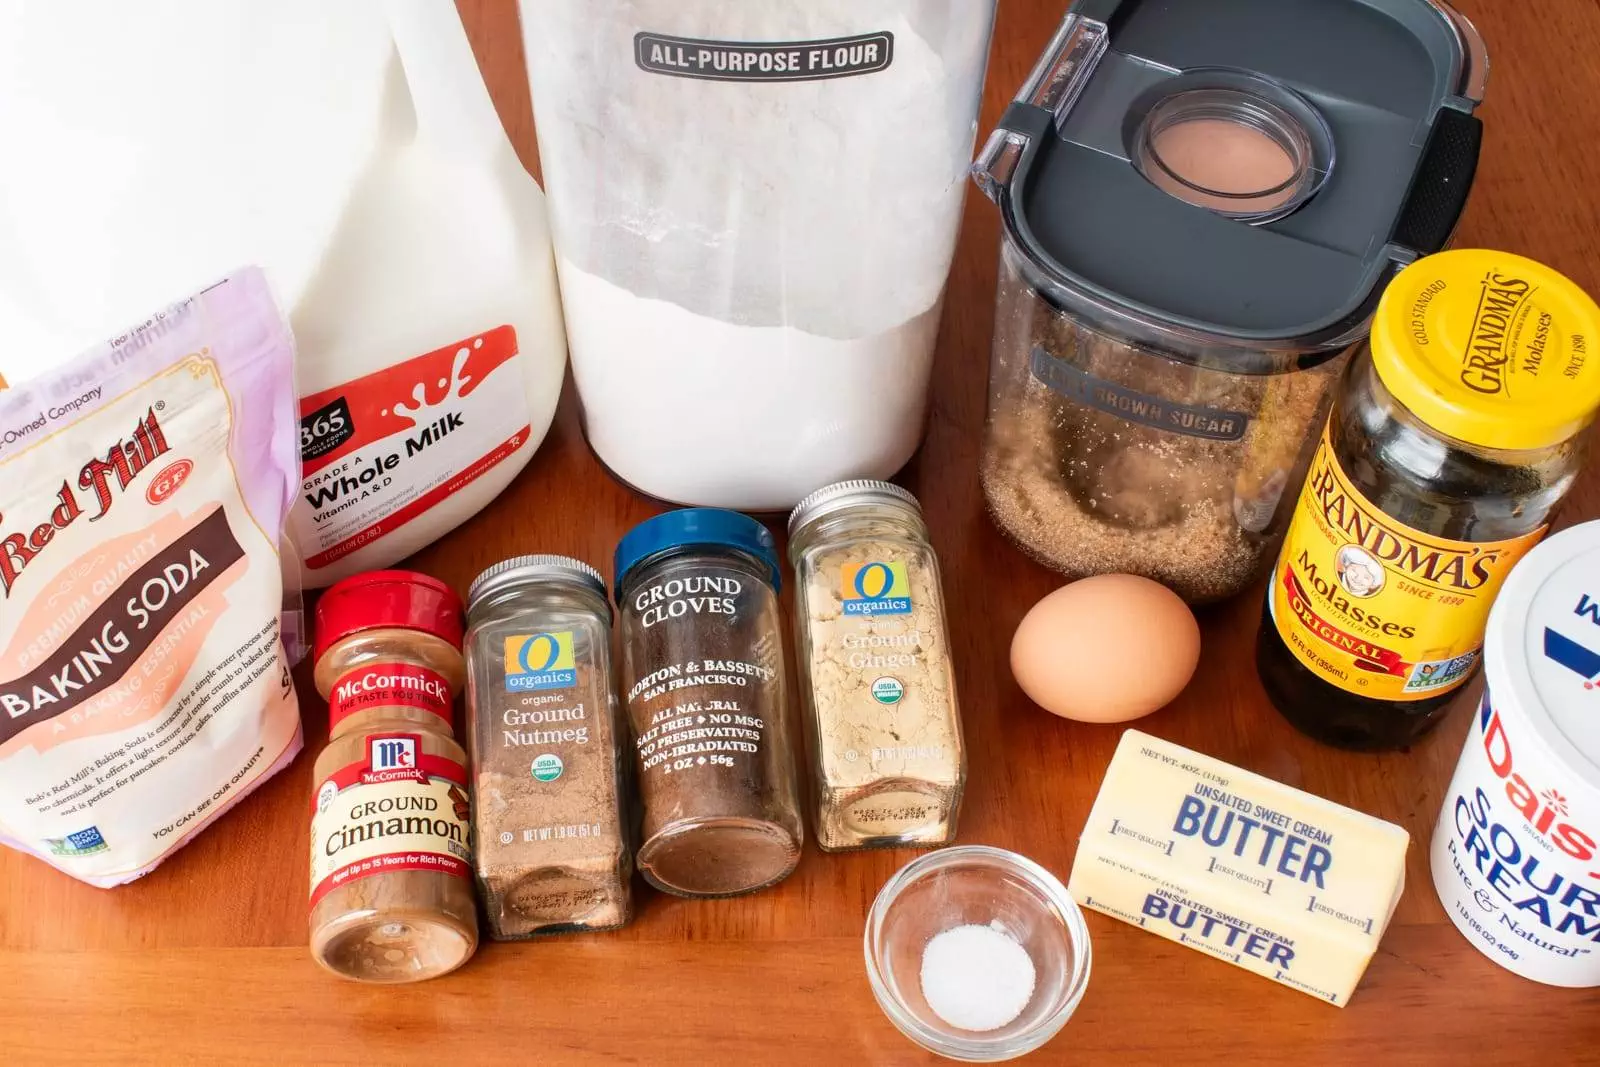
551	828
1200	212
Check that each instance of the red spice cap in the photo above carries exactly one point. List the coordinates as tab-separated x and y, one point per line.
380	599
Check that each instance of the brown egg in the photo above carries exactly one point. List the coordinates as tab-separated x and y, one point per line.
1106	649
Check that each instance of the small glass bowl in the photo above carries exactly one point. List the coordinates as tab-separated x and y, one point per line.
978	885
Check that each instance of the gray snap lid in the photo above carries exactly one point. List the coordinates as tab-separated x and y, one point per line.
1394	81
519	569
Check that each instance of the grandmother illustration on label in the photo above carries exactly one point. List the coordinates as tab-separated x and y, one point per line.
1516	852
1452	441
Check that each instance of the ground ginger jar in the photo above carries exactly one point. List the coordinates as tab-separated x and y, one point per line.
391	871
877	680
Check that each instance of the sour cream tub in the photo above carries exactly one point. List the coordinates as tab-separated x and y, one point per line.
1516	853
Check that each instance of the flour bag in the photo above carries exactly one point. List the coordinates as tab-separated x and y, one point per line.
144	688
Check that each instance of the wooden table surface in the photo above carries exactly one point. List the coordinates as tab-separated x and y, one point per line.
205	960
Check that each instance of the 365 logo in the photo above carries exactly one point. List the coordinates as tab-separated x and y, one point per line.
876	589
540	661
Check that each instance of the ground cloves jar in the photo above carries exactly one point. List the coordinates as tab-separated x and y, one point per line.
877	680
391	873
703	677
550	823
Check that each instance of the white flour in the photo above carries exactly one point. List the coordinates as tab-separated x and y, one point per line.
693	409
752	271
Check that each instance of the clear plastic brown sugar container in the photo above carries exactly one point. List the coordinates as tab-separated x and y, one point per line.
391	873
1199	216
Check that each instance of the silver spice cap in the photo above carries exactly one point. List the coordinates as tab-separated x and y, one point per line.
520	569
848	494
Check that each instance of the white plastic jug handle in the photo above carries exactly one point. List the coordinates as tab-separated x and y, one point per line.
452	104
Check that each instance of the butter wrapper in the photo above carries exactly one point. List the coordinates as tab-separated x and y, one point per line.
1282	883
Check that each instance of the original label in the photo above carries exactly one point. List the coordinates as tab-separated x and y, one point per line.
396	810
1375	607
379	685
382	450
764	61
1080	386
1514	854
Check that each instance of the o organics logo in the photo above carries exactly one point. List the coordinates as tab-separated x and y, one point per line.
540	661
876	589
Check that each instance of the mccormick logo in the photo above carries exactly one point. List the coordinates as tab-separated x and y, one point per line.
540	661
101	478
1379	544
876	589
393	754
1483	368
1576	657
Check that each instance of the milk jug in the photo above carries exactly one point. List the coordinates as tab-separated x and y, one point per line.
351	150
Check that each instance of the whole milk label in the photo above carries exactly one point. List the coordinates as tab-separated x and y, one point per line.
382	450
398	809
1375	607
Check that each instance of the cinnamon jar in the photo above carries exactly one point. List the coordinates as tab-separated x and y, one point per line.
391	870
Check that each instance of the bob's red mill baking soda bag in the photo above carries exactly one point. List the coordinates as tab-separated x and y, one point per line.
143	486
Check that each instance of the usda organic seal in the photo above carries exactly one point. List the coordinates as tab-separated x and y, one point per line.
888	690
548	767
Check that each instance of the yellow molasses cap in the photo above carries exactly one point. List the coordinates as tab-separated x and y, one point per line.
1490	348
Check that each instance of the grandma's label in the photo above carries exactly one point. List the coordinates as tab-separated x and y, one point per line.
382	450
1375	607
764	61
381	685
1131	405
398	809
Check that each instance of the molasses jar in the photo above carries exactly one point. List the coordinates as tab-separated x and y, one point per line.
1455	435
703	677
391	871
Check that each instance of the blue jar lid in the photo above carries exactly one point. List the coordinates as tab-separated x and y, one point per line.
700	528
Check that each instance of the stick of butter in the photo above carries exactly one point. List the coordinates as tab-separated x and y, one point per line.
1276	881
